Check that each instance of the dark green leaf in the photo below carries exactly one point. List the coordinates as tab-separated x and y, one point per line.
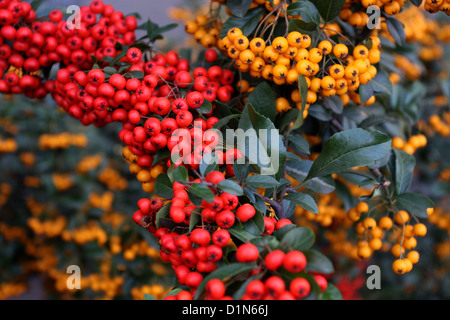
261	181
262	99
415	203
397	30
225	120
239	7
299	238
329	9
162	213
318	262
331	293
381	83
206	107
365	92
299	170
350	148
238	232
260	142
180	174
306	10
163	186
404	170
301	26
303	200
230	186
194	219
334	103
247	24
148	296
319	112
299	142
201	191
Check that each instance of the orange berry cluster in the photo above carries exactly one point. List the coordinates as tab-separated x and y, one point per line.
410	146
288	57
441	126
62	141
8	145
146	176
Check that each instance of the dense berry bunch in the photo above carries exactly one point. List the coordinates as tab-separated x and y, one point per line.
30	47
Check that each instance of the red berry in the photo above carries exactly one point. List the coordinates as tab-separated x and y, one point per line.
247	253
215	289
274	260
294	261
245	212
300	288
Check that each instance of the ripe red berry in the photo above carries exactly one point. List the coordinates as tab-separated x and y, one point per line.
247	253
294	261
215	289
211	55
245	212
300	288
221	237
321	281
274	260
200	237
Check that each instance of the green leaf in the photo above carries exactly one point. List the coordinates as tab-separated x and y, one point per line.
334	103
303	88
206	107
240	233
303	200
404	170
225	120
329	9
331	293
180	174
381	83
318	262
260	142
262	99
350	148
194	219
231	187
301	26
299	142
415	203
148	296
299	170
173	292
208	163
365	92
161	214
299	238
239	7
417	3
200	191
117	58
160	155
397	30
222	273
163	186
319	112
260	181
247	24
156	32
134	74
306	10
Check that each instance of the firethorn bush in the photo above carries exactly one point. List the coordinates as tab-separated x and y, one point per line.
329	161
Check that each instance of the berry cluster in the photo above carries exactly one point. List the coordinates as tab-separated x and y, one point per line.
30	47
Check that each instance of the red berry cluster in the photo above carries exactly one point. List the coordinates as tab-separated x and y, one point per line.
29	46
